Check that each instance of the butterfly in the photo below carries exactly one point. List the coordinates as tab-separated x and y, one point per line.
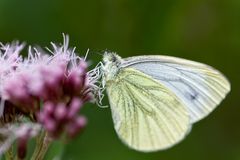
156	99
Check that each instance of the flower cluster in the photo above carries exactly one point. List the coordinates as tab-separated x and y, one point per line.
46	89
59	117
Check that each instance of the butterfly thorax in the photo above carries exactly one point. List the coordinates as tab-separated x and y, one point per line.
111	67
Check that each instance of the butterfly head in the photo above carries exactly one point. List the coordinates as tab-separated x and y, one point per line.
111	57
112	64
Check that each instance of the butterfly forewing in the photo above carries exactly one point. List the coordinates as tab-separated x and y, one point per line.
199	86
147	115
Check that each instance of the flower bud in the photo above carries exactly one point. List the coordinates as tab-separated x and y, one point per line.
74	107
60	112
76	126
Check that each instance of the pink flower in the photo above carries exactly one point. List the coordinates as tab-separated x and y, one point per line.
62	118
46	89
41	77
10	59
21	132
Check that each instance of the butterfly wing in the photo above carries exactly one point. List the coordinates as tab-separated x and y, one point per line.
147	116
199	86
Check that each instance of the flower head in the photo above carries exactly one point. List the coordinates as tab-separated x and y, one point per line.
41	78
47	89
10	59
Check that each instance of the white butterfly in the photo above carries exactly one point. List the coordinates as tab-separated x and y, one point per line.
155	99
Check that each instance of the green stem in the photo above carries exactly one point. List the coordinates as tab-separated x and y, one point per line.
9	154
43	142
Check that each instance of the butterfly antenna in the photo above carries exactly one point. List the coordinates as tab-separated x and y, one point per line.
99	53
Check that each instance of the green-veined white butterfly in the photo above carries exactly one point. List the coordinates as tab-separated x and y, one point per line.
155	99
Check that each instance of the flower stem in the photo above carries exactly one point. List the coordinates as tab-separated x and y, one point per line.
43	142
9	154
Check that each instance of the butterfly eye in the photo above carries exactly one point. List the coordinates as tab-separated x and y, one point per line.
113	58
109	57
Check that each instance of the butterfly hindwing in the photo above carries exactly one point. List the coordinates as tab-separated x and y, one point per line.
147	116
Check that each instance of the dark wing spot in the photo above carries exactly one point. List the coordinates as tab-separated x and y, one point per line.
192	96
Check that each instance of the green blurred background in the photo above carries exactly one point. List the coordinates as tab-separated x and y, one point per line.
207	31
